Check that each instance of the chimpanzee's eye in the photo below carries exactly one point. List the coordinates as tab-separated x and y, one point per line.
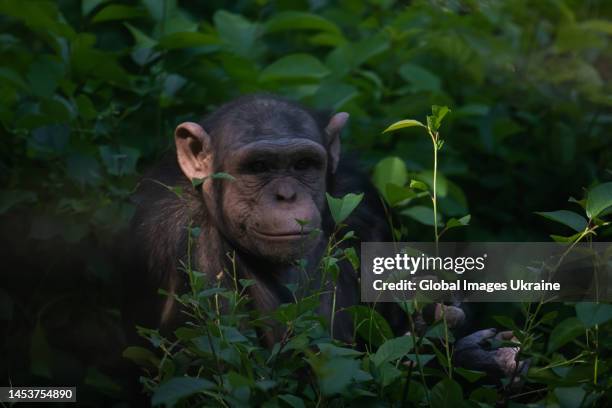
258	166
305	164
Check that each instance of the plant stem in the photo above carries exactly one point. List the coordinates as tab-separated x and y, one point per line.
434	198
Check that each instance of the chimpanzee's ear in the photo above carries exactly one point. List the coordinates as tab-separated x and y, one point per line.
333	129
193	150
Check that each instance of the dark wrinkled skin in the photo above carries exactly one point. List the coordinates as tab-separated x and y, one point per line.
284	160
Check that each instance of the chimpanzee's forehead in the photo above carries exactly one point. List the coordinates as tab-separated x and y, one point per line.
268	124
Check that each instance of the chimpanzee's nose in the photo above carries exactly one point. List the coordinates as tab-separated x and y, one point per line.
285	192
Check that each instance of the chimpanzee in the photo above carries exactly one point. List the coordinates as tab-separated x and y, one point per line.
283	159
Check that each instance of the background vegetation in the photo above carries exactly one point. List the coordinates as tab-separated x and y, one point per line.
91	91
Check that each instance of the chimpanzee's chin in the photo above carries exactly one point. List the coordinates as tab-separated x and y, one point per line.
284	252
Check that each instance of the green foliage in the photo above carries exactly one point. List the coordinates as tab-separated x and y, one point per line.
341	208
598	199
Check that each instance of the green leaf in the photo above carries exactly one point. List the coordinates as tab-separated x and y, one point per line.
591	314
570	397
49	140
292	400
44	75
484	395
341	208
603	26
571	238
87	6
435	120
196	231
506	322
101	381
333	95
598	199
86	107
351	255
422	214
331	350
569	218
170	392
118	12
141	356
388	374
393	349
454	202
335	375
418	185
88	62
441	182
446	394
239	35
370	325
294	66
42	16
222	176
119	161
298	20
397	195
187	40
419	78
564	332
461	222
390	170
470	375
406	123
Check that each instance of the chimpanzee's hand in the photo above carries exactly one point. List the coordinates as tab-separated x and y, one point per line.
431	313
475	352
454	315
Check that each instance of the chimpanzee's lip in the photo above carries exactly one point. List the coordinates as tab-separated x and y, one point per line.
280	236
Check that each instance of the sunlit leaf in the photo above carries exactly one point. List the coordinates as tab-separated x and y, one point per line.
418	185
406	123
341	208
598	199
461	222
575	221
437	114
390	170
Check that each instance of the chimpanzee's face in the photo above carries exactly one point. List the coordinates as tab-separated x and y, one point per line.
276	199
279	158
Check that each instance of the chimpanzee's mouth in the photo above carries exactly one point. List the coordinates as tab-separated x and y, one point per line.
282	235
